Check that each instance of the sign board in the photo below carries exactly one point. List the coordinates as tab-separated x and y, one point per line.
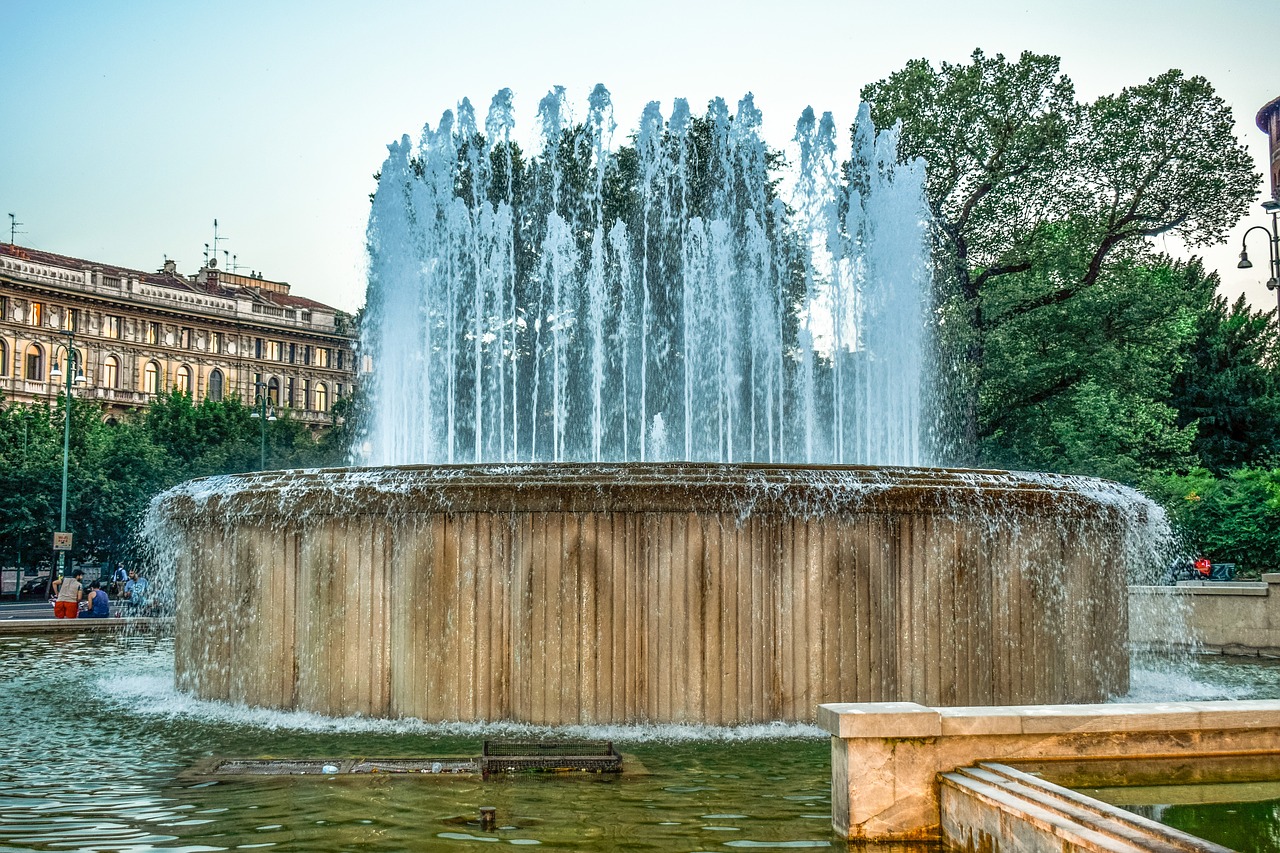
62	541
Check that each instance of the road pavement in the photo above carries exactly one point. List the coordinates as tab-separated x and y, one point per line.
33	609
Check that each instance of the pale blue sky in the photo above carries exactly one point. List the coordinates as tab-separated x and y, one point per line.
127	127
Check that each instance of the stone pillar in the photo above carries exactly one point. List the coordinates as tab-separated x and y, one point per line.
886	756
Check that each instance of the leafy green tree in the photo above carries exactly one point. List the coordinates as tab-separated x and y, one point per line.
1083	386
1229	519
1012	158
1229	386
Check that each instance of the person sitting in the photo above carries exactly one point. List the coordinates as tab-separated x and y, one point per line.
98	606
137	595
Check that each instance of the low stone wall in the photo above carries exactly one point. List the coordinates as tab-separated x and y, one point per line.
886	757
1228	617
139	624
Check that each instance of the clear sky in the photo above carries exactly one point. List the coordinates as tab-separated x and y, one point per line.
128	127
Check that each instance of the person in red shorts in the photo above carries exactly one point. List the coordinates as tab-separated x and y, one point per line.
70	590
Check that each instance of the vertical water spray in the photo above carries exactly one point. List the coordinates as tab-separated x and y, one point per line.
549	305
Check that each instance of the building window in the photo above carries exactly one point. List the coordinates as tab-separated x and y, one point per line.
322	356
306	393
184	338
35	364
215	342
214	391
184	380
70	320
293	351
274	351
306	355
341	353
4	359
288	392
257	347
322	398
111	327
153	333
273	391
111	372
151	378
35	316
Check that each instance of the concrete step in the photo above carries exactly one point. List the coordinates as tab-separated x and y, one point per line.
996	807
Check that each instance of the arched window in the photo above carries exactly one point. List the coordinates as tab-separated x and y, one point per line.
151	378
35	364
214	391
111	372
184	379
273	391
4	359
322	397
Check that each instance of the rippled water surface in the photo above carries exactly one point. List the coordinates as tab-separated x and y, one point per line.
98	748
98	745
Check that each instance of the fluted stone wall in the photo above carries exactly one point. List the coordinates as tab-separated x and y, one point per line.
565	594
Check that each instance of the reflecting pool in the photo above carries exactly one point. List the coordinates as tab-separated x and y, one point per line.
99	746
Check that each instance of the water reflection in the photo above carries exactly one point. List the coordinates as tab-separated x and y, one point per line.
101	766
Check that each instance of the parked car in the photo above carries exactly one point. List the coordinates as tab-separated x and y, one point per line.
34	581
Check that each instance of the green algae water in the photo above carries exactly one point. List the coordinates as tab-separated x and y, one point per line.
98	747
98	751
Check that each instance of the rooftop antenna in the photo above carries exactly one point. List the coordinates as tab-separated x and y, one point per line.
206	254
13	227
216	238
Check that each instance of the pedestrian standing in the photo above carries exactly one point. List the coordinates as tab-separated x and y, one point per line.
70	590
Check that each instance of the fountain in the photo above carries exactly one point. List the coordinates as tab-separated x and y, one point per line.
551	333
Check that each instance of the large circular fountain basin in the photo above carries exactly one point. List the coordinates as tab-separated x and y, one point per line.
725	594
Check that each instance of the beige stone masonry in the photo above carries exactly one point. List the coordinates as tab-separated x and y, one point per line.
1227	617
886	757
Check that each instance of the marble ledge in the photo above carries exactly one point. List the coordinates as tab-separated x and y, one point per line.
906	720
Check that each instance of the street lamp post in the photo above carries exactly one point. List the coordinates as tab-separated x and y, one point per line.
1272	206
263	414
75	373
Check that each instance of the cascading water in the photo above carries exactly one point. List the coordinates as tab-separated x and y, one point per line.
651	301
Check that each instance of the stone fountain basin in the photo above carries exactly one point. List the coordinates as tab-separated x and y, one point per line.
700	593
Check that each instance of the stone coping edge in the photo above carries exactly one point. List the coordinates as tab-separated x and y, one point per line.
70	626
909	720
1206	588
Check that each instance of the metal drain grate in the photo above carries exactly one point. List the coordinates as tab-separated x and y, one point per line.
499	757
550	757
417	765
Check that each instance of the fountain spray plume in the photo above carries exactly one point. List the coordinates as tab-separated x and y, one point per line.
549	306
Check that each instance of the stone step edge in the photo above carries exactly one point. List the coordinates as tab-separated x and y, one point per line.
1073	817
1067	834
1136	822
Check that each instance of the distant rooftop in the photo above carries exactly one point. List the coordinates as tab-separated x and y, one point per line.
209	280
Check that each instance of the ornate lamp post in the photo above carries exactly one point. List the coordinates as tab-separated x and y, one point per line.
263	414
75	374
1273	246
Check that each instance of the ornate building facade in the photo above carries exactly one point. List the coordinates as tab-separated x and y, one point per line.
1269	123
138	334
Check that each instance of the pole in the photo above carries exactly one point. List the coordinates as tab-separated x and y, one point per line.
263	418
1275	256
66	445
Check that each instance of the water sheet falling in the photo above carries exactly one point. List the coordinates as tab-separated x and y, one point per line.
662	299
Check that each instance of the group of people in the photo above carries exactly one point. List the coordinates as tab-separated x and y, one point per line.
72	600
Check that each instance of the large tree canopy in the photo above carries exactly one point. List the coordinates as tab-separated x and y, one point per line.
1060	198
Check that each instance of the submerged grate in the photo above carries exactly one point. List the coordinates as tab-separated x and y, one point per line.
550	757
498	757
417	765
269	767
